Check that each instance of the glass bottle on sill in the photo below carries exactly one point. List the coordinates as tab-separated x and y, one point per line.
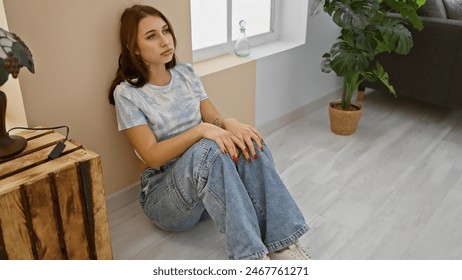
242	46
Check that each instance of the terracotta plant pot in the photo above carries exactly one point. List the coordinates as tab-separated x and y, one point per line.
344	122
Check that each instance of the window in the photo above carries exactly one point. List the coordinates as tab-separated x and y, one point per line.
215	24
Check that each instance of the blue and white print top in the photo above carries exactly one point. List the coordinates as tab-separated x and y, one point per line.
168	110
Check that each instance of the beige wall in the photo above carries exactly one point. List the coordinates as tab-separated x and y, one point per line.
75	50
230	83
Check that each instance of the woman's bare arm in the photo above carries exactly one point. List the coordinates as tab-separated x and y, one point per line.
156	154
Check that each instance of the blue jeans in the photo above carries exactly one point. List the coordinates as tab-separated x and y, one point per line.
248	201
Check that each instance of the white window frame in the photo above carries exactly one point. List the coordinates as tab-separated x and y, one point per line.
257	40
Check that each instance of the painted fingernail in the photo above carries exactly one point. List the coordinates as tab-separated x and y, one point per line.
261	149
246	150
225	151
248	159
235	158
255	156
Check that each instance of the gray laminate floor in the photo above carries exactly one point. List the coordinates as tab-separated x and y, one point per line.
393	190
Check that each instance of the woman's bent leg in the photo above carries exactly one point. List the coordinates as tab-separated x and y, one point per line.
205	178
224	196
281	221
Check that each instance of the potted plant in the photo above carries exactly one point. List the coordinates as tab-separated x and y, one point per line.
367	29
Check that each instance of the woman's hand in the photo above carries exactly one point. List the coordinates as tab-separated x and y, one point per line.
240	134
227	142
245	134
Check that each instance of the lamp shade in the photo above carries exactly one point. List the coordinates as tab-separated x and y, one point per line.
14	54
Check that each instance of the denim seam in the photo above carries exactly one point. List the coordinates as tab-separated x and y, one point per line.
258	254
198	172
203	172
204	165
178	196
158	224
274	246
256	205
148	192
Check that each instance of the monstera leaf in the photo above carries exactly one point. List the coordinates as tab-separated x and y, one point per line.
407	9
343	59
379	73
351	14
364	40
395	36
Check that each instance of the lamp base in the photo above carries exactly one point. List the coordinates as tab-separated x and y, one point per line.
11	145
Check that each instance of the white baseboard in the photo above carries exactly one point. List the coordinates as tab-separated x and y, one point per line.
271	126
121	198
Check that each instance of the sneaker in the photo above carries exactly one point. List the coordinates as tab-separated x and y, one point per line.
264	258
293	252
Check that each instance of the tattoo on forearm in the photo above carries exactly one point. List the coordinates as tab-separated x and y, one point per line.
216	121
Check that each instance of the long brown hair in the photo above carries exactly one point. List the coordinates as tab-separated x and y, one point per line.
131	68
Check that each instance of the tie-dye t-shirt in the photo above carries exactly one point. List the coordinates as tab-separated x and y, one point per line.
168	110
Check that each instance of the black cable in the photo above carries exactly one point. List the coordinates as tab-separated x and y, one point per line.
41	128
59	147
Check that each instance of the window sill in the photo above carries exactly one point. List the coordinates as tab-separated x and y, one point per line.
227	61
220	63
273	48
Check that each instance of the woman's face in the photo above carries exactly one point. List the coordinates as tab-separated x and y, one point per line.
155	41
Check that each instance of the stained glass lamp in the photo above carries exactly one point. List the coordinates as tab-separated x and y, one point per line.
14	54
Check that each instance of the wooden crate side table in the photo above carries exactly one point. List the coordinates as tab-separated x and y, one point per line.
53	209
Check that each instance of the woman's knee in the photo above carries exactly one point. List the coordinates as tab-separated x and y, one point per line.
210	144
207	152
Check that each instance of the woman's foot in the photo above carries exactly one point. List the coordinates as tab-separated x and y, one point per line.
292	252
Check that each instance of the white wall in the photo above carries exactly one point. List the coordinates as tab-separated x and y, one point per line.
289	80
